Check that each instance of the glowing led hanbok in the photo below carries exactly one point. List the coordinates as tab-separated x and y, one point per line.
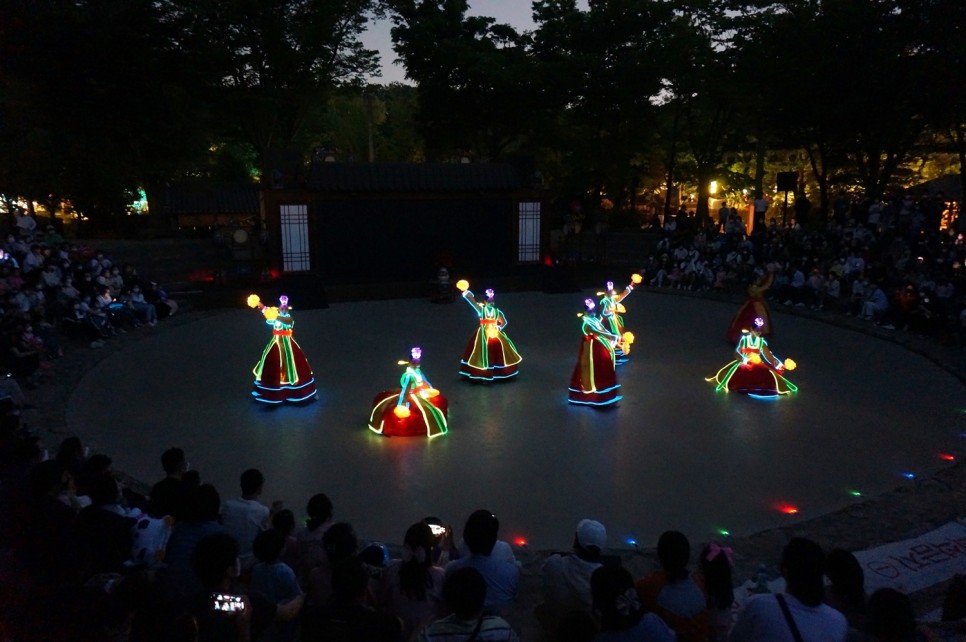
414	409
753	308
594	380
611	310
489	354
756	371
283	373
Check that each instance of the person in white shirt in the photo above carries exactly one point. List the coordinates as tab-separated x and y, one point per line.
775	618
246	517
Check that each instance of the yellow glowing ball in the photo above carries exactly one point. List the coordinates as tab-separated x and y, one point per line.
636	278
755	358
628	338
270	313
790	365
401	411
621	309
462	285
253	300
492	332
428	393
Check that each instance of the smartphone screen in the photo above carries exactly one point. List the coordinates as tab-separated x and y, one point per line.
227	603
437	529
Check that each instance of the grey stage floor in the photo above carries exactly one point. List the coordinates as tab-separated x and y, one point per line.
673	454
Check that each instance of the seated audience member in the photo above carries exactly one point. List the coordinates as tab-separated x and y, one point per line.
284	522
412	588
618	608
104	529
145	311
176	582
800	608
169	496
502	577
672	593
846	589
464	592
215	564
50	539
890	618
275	580
339	545
716	567
245	517
157	296
347	616
309	549
566	577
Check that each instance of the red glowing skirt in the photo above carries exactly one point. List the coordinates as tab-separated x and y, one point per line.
427	416
594	380
273	386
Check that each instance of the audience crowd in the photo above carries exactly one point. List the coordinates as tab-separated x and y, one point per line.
87	558
887	262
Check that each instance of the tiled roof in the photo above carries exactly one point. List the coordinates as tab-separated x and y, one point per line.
413	177
234	198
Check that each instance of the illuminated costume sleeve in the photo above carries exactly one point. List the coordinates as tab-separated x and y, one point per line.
756	371
594	380
754	306
489	354
610	312
283	373
414	409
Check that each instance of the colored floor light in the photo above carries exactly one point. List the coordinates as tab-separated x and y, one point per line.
631	541
855	493
909	475
788	509
724	533
520	541
947	456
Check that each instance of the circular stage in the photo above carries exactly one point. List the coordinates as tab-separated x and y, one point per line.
673	454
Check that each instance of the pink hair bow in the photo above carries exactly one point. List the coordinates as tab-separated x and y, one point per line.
716	549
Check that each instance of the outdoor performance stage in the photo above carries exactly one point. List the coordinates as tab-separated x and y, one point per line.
673	454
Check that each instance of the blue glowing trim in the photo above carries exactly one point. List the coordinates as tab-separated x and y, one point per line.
596	403
299	387
594	392
765	397
469	376
263	400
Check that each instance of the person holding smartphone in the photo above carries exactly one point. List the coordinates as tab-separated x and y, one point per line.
224	611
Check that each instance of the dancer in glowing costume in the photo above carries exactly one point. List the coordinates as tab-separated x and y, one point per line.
413	409
756	371
753	308
283	373
611	310
594	381
490	354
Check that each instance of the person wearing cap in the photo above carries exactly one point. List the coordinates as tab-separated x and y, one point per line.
566	576
756	371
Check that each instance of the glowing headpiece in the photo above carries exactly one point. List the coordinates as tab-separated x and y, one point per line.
283	301
759	323
610	286
589	304
416	353
490	293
